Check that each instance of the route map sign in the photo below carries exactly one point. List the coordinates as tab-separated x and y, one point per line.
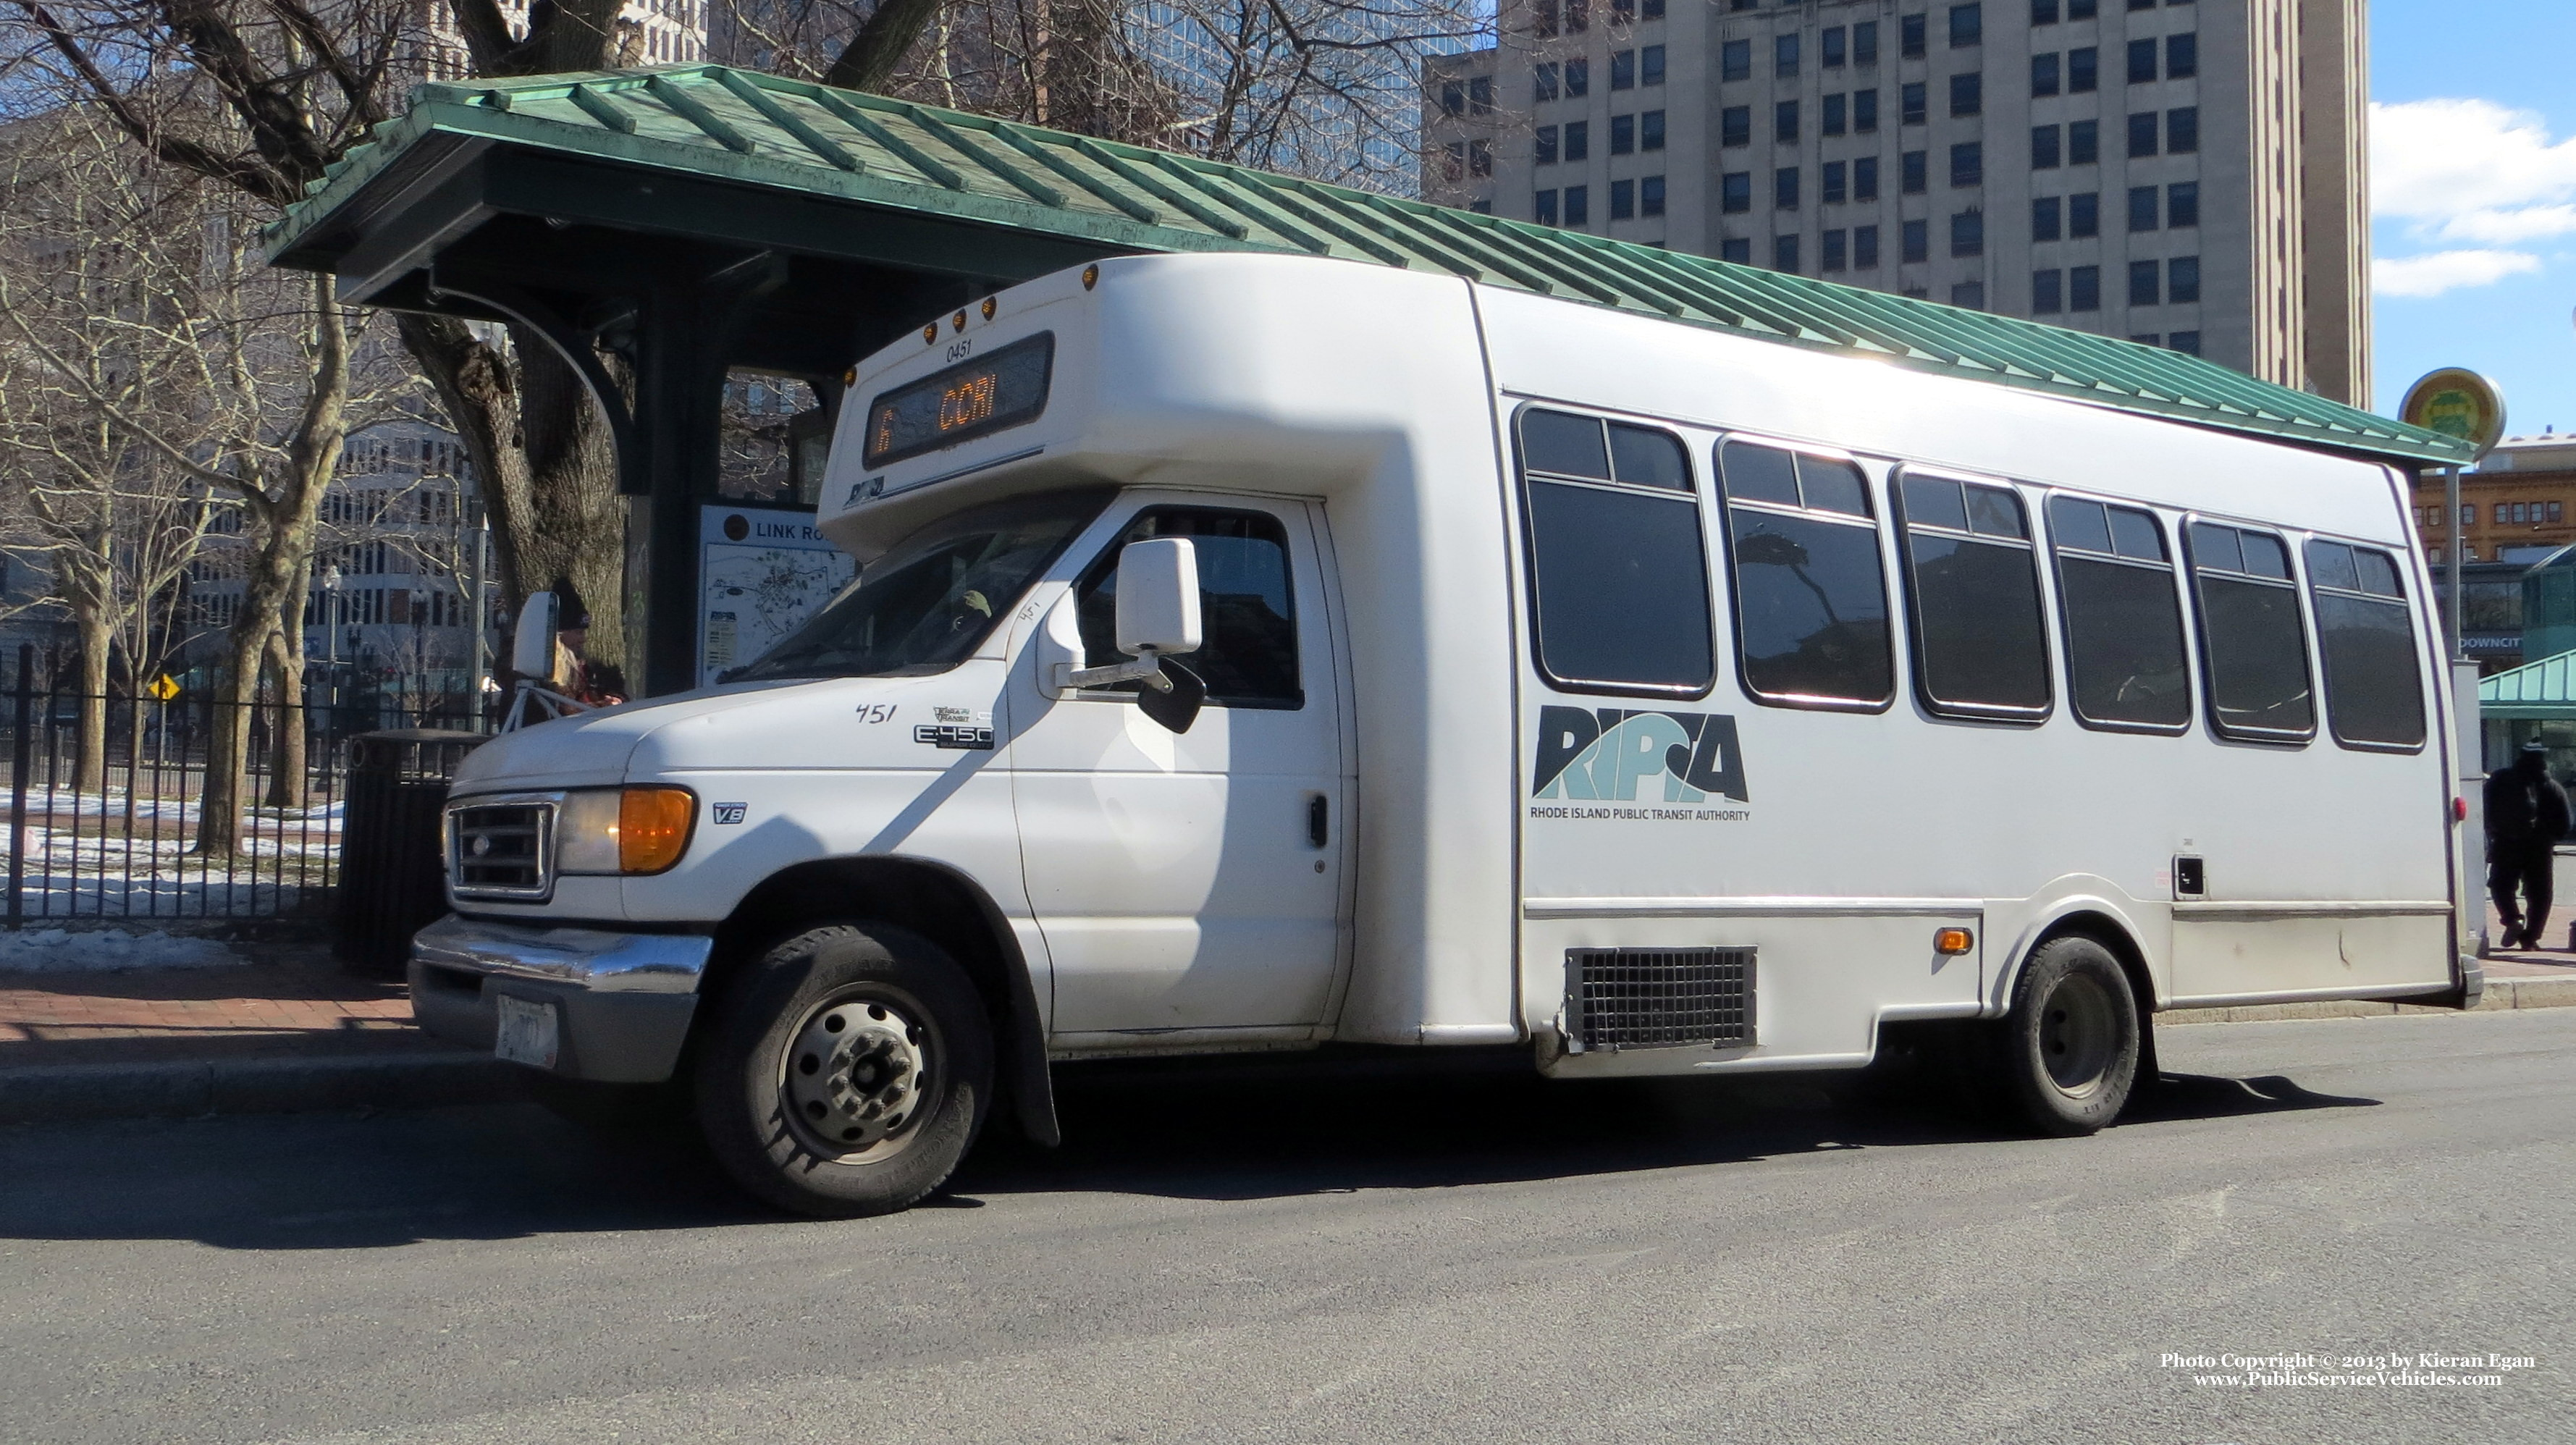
761	573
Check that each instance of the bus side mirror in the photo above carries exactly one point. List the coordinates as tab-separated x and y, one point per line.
532	647
1158	598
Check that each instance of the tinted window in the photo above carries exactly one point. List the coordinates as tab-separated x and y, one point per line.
2115	584
1249	620
1618	575
1980	646
1810	595
2250	635
2374	688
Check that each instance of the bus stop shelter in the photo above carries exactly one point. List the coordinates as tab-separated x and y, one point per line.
695	219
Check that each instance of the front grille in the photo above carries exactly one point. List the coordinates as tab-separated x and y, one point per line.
1658	998
500	850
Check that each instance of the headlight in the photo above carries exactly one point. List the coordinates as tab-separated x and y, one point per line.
623	830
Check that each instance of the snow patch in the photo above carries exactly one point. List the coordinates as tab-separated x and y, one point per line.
61	950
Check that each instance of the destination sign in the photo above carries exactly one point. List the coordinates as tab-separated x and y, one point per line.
967	400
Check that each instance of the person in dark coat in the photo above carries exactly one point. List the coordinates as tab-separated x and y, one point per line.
2526	816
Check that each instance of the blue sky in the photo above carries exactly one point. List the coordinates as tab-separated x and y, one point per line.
2473	192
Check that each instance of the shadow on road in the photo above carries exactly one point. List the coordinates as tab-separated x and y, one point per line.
1236	1131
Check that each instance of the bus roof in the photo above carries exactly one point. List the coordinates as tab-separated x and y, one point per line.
746	129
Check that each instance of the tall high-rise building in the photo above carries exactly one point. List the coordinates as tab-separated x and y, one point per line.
2185	173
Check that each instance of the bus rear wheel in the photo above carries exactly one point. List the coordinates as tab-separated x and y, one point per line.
848	1073
2068	1052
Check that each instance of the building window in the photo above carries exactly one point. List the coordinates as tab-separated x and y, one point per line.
1865	179
1544	80
2083	142
1578	205
2182	204
2142	134
1969	294
2188	343
2142	208
1735	126
2043	12
1833	182
2182	130
1543	19
1836	47
1968	94
1735	192
1543	146
1480	158
2047	292
2145	288
1917	236
1784	55
1623	70
1865	43
1784	188
1918	172
1650	65
2084	215
1650	131
2045	221
1623	135
1578	16
1968	233
1623	200
1737	250
2083	70
1836	251
1911	103
1543	208
1865	247
1784	254
1480	95
1865	111
1735	60
2148	338
2044	147
2079	9
1784	121
1967	26
1650	196
1909	37
2182	280
1453	97
1578	140
1968	164
2182	56
1481	206
1836	115
2142	62
2083	288
2043	74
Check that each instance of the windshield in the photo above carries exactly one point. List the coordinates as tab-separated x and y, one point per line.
933	599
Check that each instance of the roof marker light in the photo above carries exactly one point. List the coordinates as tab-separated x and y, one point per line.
930	333
990	306
1090	277
958	320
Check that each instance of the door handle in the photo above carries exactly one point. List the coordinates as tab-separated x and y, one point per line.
1317	820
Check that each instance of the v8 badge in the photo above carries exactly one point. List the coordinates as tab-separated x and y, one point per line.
729	812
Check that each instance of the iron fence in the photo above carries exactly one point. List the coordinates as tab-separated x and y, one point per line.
116	828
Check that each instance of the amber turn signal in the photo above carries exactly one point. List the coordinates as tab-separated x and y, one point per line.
1090	277
1949	942
653	828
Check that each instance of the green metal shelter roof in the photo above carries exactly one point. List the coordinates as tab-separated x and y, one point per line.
2545	690
759	131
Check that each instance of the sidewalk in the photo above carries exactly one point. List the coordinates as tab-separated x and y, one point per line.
286	1030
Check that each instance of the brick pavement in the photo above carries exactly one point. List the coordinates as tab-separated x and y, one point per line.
292	1000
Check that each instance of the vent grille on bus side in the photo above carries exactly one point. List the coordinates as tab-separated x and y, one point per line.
1656	998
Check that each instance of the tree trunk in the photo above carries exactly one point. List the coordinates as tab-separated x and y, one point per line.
90	736
286	775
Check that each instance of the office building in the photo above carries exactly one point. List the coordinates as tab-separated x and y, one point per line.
2183	173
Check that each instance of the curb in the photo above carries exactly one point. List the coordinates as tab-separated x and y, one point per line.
2501	994
48	1093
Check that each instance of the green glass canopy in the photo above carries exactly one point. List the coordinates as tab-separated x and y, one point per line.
710	151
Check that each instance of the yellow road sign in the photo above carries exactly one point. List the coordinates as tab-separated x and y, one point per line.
164	687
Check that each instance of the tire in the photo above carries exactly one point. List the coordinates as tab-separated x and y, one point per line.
2067	1055
847	1072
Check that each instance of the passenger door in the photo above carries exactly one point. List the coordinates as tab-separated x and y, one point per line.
1193	880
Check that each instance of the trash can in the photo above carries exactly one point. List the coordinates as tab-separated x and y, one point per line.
389	879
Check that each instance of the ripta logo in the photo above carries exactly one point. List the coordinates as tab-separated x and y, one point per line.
1608	753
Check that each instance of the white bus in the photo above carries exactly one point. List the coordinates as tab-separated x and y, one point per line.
1261	653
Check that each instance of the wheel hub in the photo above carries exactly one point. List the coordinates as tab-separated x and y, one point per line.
855	1075
2078	1035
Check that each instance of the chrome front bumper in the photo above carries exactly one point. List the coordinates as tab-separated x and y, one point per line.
624	1000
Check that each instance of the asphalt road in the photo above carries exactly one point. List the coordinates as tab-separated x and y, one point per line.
1367	1258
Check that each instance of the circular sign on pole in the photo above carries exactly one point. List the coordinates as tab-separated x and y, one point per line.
2457	402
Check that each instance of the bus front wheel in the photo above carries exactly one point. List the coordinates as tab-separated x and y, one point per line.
2068	1052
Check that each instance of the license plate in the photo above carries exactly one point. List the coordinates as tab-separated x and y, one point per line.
528	1032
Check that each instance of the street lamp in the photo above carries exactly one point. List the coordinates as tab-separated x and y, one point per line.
331	639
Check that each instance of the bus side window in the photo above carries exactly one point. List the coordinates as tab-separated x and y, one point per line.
2251	640
2374	683
1618	572
1980	646
2115	590
1810	593
1249	653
